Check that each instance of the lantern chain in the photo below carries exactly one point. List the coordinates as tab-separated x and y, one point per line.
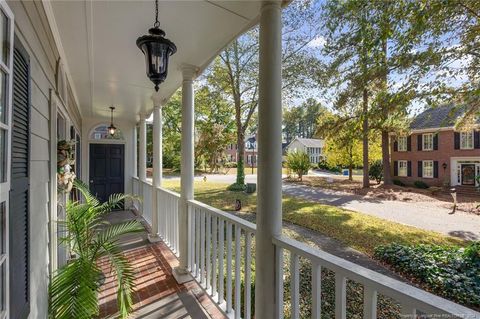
157	23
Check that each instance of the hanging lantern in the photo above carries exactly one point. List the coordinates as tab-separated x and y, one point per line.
157	50
111	129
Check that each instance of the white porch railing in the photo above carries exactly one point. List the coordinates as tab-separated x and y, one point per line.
220	256
167	210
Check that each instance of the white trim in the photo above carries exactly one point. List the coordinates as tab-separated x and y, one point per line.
423	169
54	102
423	141
406	168
455	179
472	135
406	144
5	187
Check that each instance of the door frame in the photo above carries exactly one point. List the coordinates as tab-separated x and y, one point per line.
456	169
474	173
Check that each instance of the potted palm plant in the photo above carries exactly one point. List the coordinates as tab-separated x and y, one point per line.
73	290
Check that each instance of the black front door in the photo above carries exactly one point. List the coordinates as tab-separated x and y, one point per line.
468	174
106	170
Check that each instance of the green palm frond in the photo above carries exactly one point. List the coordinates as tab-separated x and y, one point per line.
73	290
125	278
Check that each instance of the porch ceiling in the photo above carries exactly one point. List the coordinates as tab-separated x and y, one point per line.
107	68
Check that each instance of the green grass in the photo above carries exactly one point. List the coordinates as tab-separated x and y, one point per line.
360	231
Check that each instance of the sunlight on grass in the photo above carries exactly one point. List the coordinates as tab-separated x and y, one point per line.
360	231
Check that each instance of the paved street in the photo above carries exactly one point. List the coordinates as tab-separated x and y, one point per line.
423	215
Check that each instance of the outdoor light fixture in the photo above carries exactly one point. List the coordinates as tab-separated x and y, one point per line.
111	128
444	165
157	49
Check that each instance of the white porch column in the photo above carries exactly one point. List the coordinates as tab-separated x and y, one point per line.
157	163
269	198
187	170
142	150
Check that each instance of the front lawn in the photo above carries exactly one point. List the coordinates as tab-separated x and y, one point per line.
360	231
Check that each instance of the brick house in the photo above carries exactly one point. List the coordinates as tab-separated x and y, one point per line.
250	154
435	153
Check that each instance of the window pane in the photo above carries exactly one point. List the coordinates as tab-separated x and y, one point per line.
3	156
3	287
4	32
3	100
3	240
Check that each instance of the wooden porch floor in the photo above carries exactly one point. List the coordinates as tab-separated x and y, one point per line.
157	293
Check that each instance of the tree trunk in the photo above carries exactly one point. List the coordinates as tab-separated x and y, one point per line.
240	158
387	177
350	172
366	178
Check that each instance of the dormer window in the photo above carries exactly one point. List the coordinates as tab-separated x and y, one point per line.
466	140
427	142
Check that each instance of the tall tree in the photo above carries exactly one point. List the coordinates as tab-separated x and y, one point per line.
235	71
301	121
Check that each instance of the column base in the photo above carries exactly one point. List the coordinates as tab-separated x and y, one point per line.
154	238
181	275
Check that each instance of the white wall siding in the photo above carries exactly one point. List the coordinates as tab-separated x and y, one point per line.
32	29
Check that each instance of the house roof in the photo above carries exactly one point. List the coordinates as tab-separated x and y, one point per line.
438	117
310	142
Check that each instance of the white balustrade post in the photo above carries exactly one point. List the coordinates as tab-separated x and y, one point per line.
135	152
142	150
157	164
269	199
187	170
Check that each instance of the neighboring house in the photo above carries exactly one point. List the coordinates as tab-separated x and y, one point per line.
435	153
313	147
250	154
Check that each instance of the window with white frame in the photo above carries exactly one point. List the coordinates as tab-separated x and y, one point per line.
427	169
6	68
427	141
402	168
402	144
466	140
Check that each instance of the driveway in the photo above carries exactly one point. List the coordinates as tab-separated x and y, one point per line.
424	215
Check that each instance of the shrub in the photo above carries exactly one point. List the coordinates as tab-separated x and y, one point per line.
376	171
451	272
398	182
421	184
231	165
236	187
298	162
323	164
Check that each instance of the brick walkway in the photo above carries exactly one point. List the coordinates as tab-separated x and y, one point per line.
157	293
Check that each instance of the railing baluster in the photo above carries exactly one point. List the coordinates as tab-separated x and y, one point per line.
238	306
340	296
221	255
316	291
191	235
248	279
279	282
229	267
202	248
369	303
197	243
208	238
214	257
295	285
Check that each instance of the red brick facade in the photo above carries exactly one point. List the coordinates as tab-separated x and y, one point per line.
446	155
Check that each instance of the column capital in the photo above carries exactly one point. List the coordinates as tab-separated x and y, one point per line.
142	116
189	71
157	100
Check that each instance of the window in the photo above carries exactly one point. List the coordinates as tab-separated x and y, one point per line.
6	70
427	142
402	168
428	169
466	140
101	133
402	144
